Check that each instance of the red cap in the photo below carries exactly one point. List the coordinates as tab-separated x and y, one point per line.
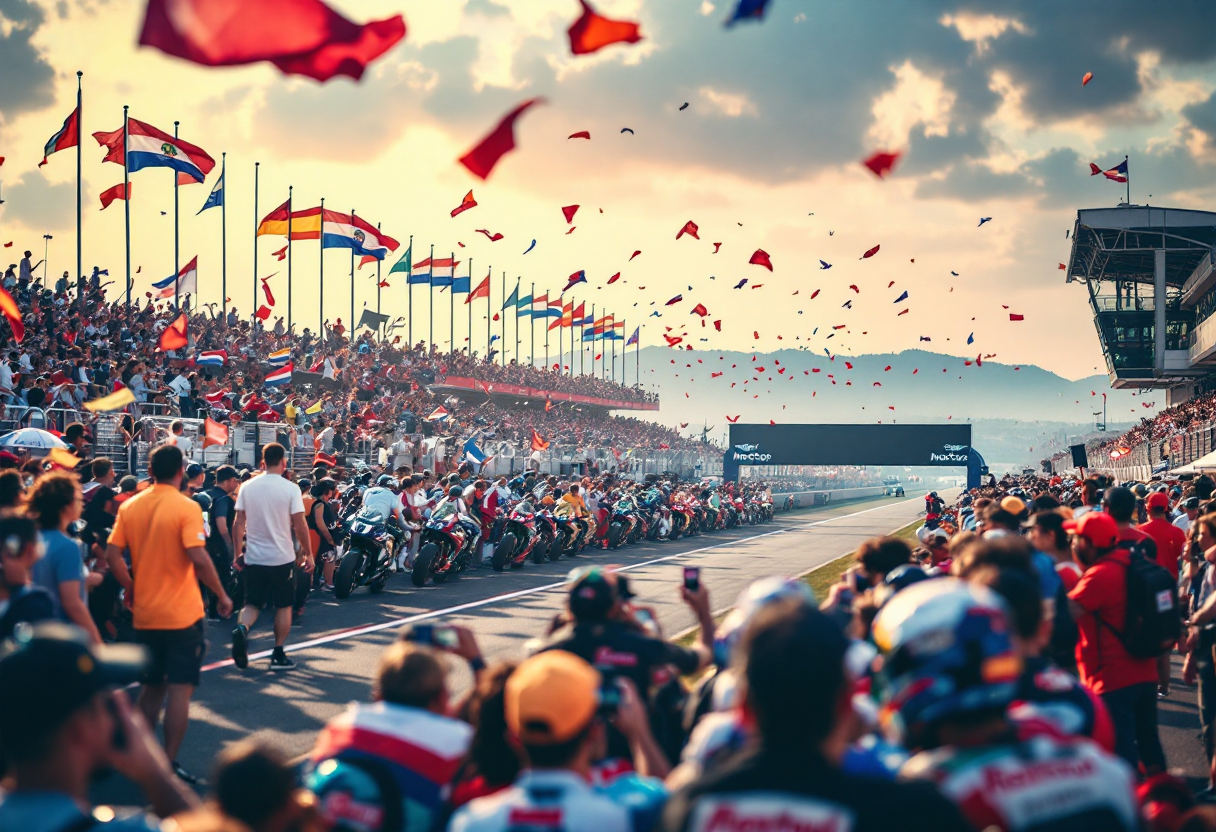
1097	527
1158	499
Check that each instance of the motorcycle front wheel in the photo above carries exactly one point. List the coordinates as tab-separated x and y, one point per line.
422	564
348	572
503	551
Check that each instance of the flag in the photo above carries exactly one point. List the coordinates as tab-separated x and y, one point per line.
216	197
465	204
902	297
747	10
443	271
474	454
405	264
175	335
322	458
119	191
461	285
482	291
420	272
314	408
263	313
1015	317
699	309
690	228
214	433
266	290
300	37
279	357
674	300
437	414
633	339
566	318
372	320
63	458
482	158
119	398
538	444
761	258
553	310
353	232
881	163
212	358
1117	174
280	376
66	136
513	298
579	276
184	282
305	225
523	307
591	33
149	147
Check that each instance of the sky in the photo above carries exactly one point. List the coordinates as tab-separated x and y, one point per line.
983	99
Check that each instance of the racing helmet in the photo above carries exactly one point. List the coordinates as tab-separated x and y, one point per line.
386	481
751	600
947	651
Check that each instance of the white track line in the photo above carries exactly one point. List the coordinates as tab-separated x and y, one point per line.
522	593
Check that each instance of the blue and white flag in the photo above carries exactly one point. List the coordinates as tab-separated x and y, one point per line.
216	197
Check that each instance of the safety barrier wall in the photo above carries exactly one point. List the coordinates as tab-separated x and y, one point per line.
805	499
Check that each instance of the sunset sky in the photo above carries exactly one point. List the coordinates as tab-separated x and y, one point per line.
984	99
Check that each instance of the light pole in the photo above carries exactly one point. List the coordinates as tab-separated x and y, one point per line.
46	265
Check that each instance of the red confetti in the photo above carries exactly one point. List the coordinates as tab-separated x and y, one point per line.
761	258
581	134
690	228
882	163
499	141
871	252
592	32
569	211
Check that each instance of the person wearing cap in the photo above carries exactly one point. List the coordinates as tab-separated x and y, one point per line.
1098	603
796	690
63	723
554	711
1188	510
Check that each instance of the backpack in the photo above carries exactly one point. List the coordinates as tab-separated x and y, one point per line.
1153	622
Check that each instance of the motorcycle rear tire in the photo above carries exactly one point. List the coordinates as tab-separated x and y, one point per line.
422	564
344	580
539	550
503	552
615	530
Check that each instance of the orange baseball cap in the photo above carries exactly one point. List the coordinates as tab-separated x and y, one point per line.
1097	527
551	698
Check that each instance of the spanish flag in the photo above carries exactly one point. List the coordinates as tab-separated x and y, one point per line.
305	225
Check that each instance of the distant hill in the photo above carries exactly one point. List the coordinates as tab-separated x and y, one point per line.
1018	412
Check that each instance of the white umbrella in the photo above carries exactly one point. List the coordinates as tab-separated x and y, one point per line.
32	439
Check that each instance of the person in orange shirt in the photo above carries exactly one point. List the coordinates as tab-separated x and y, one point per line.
1171	542
163	531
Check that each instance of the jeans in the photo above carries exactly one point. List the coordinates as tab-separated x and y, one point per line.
1133	710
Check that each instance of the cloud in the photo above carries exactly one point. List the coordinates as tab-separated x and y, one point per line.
28	78
916	100
38	205
729	104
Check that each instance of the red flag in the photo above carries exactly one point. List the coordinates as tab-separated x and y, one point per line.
66	136
119	191
569	211
12	314
214	433
300	37
690	228
465	204
175	337
871	252
322	458
699	309
1015	317
263	313
266	290
538	443
591	32
581	134
482	291
881	163
482	158
761	258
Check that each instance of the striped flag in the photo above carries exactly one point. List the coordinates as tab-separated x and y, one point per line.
279	356
279	376
437	414
212	358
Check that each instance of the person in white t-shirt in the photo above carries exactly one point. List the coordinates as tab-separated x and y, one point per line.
1190	510
179	438
269	508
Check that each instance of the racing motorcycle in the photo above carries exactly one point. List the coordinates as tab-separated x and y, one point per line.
447	549
368	560
519	539
623	523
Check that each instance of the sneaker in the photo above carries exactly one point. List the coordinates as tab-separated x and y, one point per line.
280	661
240	646
183	775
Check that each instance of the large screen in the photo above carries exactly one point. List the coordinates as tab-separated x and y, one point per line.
849	445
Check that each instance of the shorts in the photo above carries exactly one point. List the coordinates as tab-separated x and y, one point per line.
273	584
174	656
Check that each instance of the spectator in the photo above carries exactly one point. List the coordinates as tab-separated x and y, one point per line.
797	690
219	542
55	503
269	509
59	720
178	437
256	785
1170	541
20	600
1127	685
162	530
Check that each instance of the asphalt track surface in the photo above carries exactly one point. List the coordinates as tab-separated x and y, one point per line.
338	647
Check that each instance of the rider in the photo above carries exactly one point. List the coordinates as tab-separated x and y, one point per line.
382	498
578	507
454	501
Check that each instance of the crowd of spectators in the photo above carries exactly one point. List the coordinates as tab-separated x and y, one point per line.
1171	421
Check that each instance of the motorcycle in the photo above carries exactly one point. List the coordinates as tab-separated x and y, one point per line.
368	559
519	539
546	529
622	524
447	549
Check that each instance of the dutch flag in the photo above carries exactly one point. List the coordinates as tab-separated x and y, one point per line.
212	358
279	376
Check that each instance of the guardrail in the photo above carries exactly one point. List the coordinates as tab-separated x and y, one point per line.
806	499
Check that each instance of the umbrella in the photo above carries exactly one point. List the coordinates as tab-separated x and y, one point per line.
33	439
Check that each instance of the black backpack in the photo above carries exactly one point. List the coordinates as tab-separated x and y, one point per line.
1153	623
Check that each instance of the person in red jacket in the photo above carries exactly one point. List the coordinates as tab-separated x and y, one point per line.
1171	542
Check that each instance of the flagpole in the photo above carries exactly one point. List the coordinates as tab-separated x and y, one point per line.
469	303
503	336
224	235
352	275
126	189
560	352
614	352
177	265
546	332
79	222
582	347
532	327
489	314
379	262
430	307
321	286
256	219
516	314
1128	176
452	300
409	300
637	357
290	218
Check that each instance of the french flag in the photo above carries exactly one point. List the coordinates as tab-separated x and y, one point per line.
212	358
1118	173
279	376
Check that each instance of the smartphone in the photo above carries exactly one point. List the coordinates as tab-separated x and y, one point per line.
860	584
692	578
434	636
610	696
